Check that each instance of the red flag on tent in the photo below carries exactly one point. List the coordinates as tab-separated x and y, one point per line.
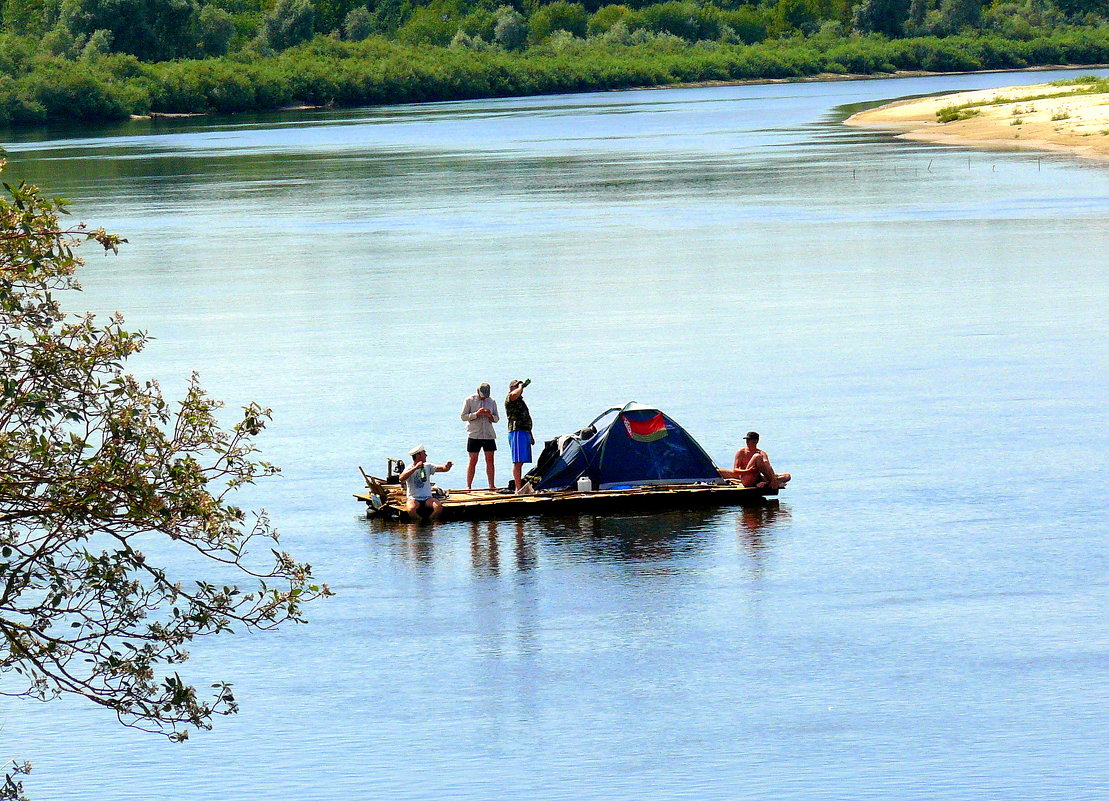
646	430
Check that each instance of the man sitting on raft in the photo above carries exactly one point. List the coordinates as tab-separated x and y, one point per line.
417	486
752	467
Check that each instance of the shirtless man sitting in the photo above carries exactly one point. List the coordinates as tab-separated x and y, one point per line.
752	466
417	485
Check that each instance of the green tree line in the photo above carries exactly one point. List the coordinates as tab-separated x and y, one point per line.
106	59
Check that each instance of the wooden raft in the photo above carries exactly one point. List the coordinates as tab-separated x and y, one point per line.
491	505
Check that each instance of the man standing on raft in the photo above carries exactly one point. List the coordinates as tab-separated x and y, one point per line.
752	466
520	438
480	412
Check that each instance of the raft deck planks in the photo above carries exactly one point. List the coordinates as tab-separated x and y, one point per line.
488	505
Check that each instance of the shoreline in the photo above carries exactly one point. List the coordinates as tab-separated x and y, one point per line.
1006	118
823	77
862	76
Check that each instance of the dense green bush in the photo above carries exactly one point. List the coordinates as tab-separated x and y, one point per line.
289	23
66	89
790	16
216	30
882	16
605	17
748	24
152	30
675	18
25	17
428	26
558	16
510	28
330	15
16	106
358	24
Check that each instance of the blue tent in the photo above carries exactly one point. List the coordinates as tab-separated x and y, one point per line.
640	446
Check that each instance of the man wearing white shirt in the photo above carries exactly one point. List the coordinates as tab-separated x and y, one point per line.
417	485
480	412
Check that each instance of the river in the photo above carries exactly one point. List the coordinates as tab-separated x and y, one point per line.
918	332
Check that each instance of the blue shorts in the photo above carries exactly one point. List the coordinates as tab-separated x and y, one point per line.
520	443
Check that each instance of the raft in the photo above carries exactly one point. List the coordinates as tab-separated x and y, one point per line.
386	501
641	460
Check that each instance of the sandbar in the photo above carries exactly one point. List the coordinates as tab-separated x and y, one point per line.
1011	117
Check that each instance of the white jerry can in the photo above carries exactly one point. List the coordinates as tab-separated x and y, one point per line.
585	484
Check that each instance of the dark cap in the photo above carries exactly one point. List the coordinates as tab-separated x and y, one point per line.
752	435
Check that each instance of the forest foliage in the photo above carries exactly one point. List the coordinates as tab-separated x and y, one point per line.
107	59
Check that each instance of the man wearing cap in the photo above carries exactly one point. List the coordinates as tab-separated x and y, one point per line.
417	485
480	412
752	466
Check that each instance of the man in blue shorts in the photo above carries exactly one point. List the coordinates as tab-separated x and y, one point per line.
520	438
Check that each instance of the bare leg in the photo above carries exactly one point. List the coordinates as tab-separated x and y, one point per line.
518	474
765	474
436	508
470	469
414	507
489	469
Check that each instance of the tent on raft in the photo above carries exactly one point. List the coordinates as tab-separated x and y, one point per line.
639	447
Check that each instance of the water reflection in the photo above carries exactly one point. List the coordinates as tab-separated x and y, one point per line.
656	537
755	527
485	546
512	547
408	542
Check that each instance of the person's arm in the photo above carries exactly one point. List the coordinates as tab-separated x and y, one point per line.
493	416
444	468
737	464
467	411
408	471
514	394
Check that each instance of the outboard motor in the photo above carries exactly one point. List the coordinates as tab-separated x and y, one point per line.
394	468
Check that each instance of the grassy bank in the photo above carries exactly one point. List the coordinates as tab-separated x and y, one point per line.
36	88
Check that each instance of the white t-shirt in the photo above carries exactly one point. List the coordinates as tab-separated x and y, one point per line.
417	486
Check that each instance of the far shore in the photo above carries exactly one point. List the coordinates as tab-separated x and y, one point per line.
863	76
1007	118
819	78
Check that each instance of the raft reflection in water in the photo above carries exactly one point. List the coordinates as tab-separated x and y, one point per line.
496	547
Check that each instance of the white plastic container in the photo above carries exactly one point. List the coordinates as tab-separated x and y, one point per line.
585	484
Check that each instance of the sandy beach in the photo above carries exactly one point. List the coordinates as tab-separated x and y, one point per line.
1039	117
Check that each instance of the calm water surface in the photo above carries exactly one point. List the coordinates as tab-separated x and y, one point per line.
918	332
